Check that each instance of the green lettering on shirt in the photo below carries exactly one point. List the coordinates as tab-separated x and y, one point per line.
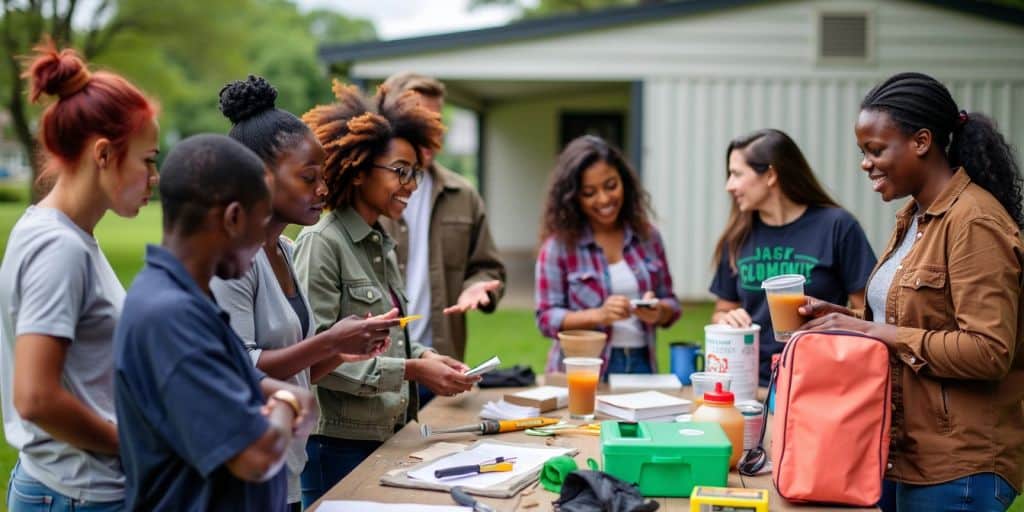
766	262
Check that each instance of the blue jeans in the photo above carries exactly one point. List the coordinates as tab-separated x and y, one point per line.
629	360
426	395
26	494
330	460
983	492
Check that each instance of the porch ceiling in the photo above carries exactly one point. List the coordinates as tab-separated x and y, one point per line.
477	94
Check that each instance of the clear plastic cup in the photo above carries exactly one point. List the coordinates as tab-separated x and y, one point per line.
705	381
785	295
582	374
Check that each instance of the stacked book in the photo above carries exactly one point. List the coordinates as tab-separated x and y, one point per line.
641	381
643	406
544	398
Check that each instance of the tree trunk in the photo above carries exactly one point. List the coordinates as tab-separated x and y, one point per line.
28	142
19	119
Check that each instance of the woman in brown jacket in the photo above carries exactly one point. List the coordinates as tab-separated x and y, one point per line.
945	297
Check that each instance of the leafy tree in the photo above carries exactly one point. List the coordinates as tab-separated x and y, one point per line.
180	52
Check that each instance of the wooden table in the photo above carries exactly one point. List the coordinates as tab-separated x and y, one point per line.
364	482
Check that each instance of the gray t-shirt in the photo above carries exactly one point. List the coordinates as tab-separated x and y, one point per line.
55	281
878	287
265	320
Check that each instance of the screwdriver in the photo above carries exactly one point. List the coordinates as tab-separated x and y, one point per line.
491	426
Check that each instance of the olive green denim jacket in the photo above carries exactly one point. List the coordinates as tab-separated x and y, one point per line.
348	268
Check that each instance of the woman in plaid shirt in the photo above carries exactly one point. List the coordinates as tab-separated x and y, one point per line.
599	251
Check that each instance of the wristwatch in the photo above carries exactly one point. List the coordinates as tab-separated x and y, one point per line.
283	395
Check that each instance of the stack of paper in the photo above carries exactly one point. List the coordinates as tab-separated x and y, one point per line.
503	410
644	406
545	398
638	381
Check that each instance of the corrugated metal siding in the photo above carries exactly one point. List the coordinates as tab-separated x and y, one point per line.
690	121
765	40
713	76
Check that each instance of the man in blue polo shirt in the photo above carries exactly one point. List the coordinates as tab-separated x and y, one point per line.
200	428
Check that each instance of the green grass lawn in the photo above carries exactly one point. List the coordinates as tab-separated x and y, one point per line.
508	333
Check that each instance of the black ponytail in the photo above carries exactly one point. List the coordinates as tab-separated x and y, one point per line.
990	161
917	101
266	130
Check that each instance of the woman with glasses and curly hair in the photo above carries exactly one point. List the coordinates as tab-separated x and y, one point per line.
346	263
599	252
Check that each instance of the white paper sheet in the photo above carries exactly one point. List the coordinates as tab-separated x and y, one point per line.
528	459
485	366
372	506
502	410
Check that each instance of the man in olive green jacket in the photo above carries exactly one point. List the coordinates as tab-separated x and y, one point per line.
444	244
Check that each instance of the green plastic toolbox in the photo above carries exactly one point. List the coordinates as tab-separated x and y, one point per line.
666	459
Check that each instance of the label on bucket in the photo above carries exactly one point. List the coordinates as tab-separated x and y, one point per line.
734	351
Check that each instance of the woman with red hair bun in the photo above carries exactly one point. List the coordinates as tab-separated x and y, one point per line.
60	301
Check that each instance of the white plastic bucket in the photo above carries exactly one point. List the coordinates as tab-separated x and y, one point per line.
734	351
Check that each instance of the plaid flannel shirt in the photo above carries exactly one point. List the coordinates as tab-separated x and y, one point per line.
576	278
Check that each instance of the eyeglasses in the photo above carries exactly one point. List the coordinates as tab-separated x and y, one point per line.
405	174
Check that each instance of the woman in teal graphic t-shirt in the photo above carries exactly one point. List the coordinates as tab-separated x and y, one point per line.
782	222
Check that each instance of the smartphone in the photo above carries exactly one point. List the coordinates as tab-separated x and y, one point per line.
644	303
484	367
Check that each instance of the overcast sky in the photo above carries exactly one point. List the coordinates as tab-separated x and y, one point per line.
407	18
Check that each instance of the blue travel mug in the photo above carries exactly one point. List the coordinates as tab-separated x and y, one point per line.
685	358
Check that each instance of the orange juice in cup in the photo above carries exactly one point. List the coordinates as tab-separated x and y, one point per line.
582	374
785	295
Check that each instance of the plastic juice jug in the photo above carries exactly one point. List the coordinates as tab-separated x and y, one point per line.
719	407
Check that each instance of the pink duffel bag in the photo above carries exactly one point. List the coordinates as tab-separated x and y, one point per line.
830	432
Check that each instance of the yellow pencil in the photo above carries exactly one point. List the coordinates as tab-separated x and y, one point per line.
402	322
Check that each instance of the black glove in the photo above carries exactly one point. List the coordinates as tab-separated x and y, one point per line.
590	491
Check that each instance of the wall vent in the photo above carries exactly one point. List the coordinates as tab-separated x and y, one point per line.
843	36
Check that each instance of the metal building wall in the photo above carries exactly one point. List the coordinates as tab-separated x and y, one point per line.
688	123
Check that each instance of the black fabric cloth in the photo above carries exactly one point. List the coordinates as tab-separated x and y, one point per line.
516	376
591	491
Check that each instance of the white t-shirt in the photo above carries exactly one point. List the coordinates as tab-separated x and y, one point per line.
264	318
55	281
628	333
417	268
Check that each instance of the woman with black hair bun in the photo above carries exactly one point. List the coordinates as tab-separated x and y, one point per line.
268	310
945	297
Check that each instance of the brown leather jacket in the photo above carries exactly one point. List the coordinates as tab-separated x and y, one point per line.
958	364
462	252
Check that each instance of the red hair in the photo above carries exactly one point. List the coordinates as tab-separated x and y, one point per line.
88	105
